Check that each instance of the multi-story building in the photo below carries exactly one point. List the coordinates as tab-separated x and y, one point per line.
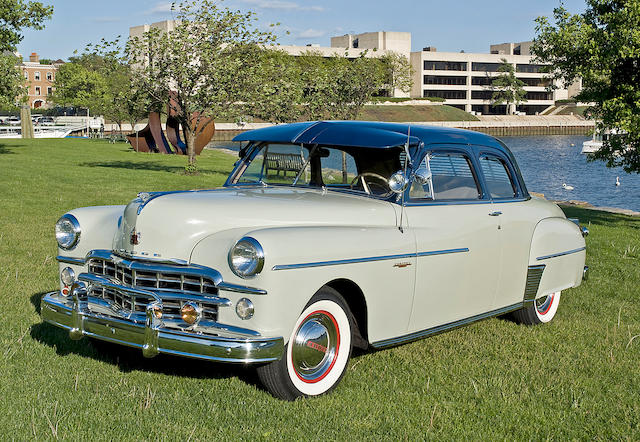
39	79
462	79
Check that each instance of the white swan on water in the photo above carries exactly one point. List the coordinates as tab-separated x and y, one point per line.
617	181
566	187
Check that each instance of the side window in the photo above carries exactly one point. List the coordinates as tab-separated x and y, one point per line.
497	176
452	179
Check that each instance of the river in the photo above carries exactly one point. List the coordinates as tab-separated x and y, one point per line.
547	162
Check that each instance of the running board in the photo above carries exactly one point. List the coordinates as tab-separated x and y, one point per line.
443	328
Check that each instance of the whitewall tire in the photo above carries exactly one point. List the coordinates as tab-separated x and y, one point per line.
318	351
541	311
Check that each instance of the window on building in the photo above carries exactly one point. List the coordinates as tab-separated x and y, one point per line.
531	68
481	81
449	95
36	76
539	96
485	67
444	65
481	95
49	76
49	90
535	82
497	177
37	90
439	79
26	75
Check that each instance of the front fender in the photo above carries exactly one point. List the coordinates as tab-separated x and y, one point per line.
300	260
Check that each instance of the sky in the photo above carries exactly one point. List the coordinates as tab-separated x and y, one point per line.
468	25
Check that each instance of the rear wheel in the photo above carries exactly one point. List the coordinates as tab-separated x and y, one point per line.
318	351
542	310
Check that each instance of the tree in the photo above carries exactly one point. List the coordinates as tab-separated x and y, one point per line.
278	87
398	73
602	47
14	16
11	81
207	62
80	84
507	88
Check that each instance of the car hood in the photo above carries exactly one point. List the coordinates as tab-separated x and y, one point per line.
168	225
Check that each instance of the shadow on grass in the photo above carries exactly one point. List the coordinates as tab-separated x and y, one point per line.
4	148
601	218
130	359
147	165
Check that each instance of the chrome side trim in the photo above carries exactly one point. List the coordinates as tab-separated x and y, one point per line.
70	260
227	286
443	252
368	259
555	255
443	328
534	275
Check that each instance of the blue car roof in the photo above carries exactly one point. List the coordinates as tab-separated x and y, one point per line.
368	134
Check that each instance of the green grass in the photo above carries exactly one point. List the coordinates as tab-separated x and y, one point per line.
575	378
416	113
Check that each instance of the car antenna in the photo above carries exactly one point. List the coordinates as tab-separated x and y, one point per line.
406	162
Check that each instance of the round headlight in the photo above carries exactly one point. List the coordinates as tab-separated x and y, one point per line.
67	231
246	258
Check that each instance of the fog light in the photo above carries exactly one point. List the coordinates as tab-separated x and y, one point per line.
244	308
190	313
67	276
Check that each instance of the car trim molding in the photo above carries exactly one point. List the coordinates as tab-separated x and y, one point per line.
443	328
555	255
307	265
70	260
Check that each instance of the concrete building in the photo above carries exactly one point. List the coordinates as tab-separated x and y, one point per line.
39	79
463	80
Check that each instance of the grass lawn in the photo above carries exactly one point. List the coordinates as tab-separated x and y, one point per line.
414	113
575	378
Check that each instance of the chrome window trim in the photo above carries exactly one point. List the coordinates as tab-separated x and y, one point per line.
555	255
443	328
307	265
70	260
458	202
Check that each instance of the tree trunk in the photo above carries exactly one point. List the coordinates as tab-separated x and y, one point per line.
190	140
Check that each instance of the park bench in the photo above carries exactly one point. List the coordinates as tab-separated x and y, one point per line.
285	162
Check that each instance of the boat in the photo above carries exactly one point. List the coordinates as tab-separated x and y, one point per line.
40	131
595	143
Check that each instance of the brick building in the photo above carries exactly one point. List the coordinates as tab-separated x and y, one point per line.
39	79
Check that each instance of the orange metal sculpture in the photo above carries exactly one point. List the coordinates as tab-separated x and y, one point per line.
153	139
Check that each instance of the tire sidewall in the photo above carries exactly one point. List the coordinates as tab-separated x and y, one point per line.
548	315
327	300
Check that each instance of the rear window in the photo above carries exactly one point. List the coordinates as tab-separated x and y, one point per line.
497	177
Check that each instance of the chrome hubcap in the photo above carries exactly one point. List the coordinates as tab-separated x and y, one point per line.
315	346
544	304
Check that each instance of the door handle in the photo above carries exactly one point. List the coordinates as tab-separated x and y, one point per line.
496	213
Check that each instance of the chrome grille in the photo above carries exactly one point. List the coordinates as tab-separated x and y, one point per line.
157	282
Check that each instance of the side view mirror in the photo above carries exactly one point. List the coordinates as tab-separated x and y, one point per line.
398	182
422	175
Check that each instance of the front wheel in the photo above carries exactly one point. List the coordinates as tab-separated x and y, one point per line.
542	310
316	357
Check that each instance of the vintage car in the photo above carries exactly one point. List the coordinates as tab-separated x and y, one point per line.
326	235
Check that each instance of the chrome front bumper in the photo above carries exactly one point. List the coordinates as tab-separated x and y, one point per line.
152	338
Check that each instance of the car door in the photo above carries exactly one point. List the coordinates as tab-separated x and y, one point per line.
457	241
516	223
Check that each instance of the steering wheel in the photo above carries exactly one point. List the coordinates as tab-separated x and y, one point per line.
366	186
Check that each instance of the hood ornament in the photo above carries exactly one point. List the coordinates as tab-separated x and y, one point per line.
134	239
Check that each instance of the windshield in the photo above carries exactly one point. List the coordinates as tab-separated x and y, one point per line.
348	168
